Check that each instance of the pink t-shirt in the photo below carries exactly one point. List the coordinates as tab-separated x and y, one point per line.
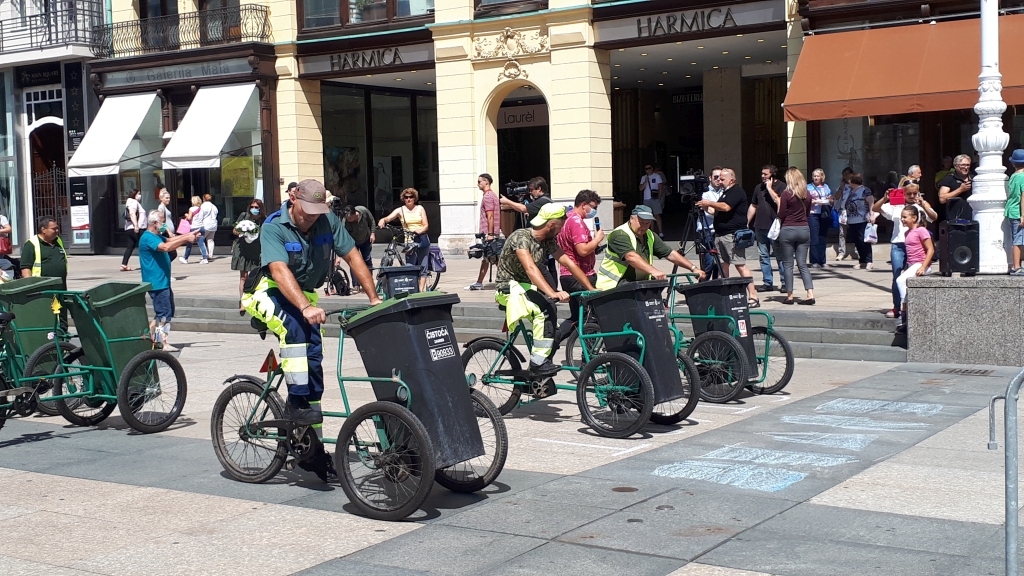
490	203
574	232
915	245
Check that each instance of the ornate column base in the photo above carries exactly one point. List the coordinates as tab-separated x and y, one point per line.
988	200
988	194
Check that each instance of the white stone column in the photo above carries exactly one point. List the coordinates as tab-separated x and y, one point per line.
988	197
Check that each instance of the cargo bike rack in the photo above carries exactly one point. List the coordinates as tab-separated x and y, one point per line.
386	460
615	392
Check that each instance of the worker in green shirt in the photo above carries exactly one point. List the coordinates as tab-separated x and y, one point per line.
44	254
1013	211
632	248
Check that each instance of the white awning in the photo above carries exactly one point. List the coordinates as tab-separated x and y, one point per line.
207	127
120	120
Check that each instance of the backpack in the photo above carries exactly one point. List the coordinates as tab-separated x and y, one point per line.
437	263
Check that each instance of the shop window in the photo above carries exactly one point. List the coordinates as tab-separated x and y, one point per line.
344	130
881	148
392	149
427	172
324	13
321	13
485	8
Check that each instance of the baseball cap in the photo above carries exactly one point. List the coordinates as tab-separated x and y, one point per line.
292	185
312	196
547	212
643	212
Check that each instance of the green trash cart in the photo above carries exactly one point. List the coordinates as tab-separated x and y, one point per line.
32	328
117	364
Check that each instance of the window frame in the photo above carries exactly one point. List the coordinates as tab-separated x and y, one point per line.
391	22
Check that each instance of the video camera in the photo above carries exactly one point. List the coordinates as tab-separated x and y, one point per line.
693	184
489	249
517	191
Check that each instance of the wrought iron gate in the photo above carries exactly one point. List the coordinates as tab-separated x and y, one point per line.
50	198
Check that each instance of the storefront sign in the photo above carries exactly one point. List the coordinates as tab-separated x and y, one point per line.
347	63
37	75
80	229
74	105
686	22
688	97
523	116
180	72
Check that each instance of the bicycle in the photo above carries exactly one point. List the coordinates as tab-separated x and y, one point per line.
385	459
392	257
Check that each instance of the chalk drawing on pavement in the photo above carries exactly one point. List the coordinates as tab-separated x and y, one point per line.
846	441
745	476
778	457
853	423
860	406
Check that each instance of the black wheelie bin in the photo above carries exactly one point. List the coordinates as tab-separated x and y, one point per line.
722	297
400	280
640	304
414	335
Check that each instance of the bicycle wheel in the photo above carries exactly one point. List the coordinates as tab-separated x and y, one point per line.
248	456
81	410
615	395
777	365
721	364
152	391
477	473
574	352
43	361
478	359
433	278
675	411
385	461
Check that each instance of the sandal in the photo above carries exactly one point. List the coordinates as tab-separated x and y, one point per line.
126	268
753	303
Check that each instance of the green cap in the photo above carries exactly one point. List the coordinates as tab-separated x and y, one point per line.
643	212
549	211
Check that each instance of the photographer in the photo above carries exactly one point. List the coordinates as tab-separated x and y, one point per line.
537	196
490	223
730	218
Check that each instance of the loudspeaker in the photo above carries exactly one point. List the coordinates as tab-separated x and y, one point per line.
958	247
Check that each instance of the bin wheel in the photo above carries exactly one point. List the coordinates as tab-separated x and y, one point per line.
152	391
385	461
675	411
615	395
245	456
776	366
477	473
478	359
573	350
80	411
721	364
43	361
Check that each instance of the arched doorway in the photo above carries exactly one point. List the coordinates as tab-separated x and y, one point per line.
49	179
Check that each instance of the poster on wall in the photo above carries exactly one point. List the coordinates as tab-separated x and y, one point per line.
237	177
129	181
80	228
342	169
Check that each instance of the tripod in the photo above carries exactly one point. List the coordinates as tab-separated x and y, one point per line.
703	242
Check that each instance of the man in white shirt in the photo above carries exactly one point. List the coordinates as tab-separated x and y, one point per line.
650	185
705	221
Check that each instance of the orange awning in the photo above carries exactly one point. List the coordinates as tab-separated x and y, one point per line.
902	69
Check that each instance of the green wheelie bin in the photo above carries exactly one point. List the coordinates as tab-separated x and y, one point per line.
113	311
33	323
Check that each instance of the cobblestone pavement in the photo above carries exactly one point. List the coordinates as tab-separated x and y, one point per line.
854	468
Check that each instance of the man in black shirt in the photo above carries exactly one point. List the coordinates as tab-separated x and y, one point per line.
764	209
730	217
955	189
538	190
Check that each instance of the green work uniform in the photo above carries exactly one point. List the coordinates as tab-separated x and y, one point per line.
619	243
308	256
53	259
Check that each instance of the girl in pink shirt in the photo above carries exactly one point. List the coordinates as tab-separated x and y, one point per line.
920	251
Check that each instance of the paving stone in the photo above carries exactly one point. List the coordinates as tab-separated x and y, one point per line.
586	491
527	517
569	560
345	567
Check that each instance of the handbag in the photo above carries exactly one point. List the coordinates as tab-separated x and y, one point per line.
828	213
744	238
843	218
5	245
773	232
871	233
184	226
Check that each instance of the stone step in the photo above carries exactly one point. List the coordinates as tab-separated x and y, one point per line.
836	336
864	352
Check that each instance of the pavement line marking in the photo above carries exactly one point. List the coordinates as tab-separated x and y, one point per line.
847	441
628	450
783	457
735	409
861	406
745	476
853	423
593	445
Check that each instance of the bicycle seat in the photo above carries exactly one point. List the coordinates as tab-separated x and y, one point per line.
6	317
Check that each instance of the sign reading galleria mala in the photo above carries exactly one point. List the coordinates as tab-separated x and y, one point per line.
179	72
685	22
362	61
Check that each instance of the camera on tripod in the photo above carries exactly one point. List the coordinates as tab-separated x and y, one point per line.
692	185
517	191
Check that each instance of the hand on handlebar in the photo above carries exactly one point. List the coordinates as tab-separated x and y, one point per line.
314	315
701	274
561	297
659	275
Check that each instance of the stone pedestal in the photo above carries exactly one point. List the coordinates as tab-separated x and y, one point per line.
966	320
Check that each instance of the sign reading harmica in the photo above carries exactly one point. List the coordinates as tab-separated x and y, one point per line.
359	62
685	22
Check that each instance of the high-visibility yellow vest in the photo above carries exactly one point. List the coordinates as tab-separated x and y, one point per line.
614	266
37	266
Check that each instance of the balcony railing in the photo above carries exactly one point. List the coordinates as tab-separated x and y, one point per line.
230	25
67	22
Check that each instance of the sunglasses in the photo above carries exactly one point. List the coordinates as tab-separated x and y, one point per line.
408	197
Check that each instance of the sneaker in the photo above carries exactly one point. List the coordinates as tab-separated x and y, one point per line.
857	266
1017	272
765	288
204	261
545	369
303	416
475	286
901	328
182	260
816	266
869	266
891	314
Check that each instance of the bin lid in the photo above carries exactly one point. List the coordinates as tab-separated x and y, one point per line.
714	284
627	287
108	293
403	303
399	270
33	284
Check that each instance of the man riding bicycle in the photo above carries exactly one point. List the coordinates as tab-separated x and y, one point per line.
297	244
632	248
523	290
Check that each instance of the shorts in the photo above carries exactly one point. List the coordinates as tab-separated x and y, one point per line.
1017	232
728	251
163	304
654	204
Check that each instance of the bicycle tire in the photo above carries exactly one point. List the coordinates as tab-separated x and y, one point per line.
277	450
762	337
433	278
504	396
478	473
404	471
80	411
138	390
595	347
675	411
722	366
618	370
48	407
